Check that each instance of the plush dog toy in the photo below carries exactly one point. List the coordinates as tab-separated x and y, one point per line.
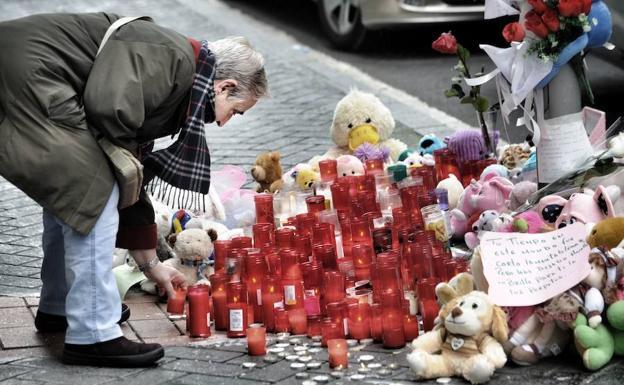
267	171
608	233
430	143
349	165
467	342
359	118
454	188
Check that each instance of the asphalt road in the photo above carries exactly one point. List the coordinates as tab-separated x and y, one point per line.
405	60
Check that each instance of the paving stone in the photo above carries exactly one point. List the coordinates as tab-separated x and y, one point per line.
20	271
32	252
8	371
258	360
271	373
11	302
16	291
36	263
137	296
26	337
149	377
162	328
19	316
17	381
11	249
197	379
25	282
65	376
55	364
202	354
34	241
169	341
204	367
128	332
145	311
32	301
14	259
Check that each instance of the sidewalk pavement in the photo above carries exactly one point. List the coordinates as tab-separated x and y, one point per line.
305	87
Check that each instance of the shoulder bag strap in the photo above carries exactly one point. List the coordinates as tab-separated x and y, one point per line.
116	25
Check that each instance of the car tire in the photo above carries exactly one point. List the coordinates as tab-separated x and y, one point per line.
345	31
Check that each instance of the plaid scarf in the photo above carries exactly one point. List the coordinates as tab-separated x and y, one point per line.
183	169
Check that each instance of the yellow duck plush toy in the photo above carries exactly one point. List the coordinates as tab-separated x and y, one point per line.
359	118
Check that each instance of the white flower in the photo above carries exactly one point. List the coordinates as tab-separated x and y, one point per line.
594	21
586	28
582	17
616	145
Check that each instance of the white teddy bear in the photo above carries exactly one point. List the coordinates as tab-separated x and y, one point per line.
361	117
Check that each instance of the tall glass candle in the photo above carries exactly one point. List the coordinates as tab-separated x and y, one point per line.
374	166
428	309
221	250
410	324
271	294
359	321
392	321
315	203
298	320
175	303
331	330
282	324
237	310
256	340
328	169
263	235
219	300
264	208
199	311
284	237
376	322
338	353
314	326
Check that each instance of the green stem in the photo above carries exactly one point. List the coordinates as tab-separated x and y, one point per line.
484	131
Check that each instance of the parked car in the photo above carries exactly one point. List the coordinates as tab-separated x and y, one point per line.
346	21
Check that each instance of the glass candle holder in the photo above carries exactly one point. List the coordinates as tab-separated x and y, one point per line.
314	326
282	325
374	166
272	295
264	208
175	303
219	300
434	220
221	250
359	321
333	287
303	245
199	311
328	169
284	237
256	340
338	353
290	264
298	320
426	288
242	242
428	310
315	203
428	175
340	195
392	322
360	232
263	235
445	164
293	293
237	310
410	325
305	223
376	322
331	330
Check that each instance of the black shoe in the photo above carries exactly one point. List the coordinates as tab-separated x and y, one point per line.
119	352
50	323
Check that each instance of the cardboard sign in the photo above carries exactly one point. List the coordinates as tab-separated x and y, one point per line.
528	269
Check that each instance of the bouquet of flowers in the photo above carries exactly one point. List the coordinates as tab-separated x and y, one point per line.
553	23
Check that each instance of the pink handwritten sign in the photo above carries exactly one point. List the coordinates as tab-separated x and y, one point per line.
528	269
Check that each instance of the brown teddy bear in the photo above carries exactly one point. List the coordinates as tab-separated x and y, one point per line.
267	171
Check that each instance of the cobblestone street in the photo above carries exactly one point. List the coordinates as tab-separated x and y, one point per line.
305	87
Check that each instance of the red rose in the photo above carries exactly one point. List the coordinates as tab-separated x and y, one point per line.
551	19
538	6
446	43
533	22
572	8
513	32
587	6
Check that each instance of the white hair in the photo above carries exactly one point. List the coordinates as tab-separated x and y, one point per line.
237	59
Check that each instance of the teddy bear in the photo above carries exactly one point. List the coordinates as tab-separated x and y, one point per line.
488	220
430	143
360	117
301	177
267	171
193	249
467	340
467	145
477	197
587	207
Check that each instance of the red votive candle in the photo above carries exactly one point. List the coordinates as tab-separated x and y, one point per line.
331	330
410	324
328	169
271	294
333	287
315	203
256	340
340	196
263	235
305	223
360	232
264	208
298	320
237	310
221	250
282	325
426	288
338	353
175	303
392	322
242	242
445	164
376	322
199	311
428	309
314	325
284	237
359	321
219	300
374	166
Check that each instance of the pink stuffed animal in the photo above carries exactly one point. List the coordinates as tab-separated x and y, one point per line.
349	165
491	195
586	207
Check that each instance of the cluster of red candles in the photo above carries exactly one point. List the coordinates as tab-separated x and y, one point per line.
331	273
446	163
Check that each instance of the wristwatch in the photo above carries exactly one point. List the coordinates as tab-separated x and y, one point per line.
147	266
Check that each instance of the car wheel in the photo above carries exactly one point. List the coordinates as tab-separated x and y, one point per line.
342	22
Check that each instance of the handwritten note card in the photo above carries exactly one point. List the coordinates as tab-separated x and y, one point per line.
528	269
